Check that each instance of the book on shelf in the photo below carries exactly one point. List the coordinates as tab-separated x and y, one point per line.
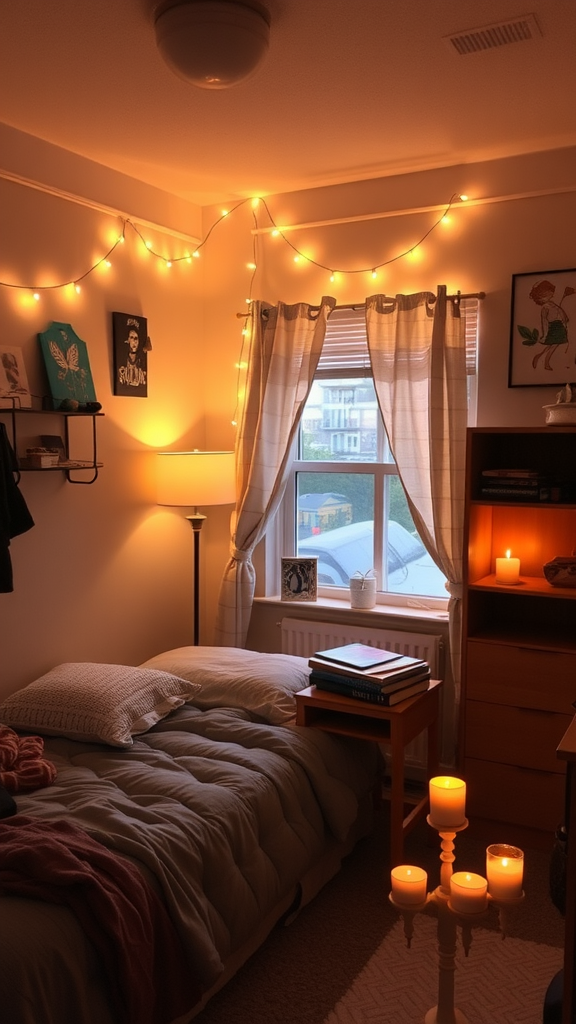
402	665
538	493
357	655
358	691
368	684
511	474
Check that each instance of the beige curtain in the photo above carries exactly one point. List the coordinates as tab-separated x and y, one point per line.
286	342
418	353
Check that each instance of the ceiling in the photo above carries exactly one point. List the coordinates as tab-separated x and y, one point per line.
350	89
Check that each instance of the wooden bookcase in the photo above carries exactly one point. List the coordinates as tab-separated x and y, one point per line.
519	641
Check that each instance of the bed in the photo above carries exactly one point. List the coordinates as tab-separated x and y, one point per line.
169	815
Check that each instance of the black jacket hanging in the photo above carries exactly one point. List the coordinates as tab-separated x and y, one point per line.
15	517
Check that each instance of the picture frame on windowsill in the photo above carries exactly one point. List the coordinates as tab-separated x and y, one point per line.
299	579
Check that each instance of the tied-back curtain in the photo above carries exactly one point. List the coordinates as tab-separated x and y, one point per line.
417	349
286	342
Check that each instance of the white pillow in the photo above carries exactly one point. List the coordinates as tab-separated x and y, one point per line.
96	703
231	677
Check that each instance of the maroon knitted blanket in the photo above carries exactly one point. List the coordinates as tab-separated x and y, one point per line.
22	765
55	861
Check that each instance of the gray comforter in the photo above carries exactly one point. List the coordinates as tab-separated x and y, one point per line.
224	814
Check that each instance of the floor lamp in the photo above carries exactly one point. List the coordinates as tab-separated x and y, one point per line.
191	479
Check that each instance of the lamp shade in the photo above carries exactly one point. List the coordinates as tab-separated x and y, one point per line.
212	43
195	478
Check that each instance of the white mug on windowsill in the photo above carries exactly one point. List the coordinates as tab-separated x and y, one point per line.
363	590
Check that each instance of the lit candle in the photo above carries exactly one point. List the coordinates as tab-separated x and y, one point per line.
468	893
408	884
505	871
447	801
507	569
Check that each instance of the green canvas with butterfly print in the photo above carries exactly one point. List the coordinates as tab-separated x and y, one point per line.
68	367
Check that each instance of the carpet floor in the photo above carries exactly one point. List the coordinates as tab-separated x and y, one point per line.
344	960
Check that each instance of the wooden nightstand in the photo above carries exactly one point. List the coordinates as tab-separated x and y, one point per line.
397	725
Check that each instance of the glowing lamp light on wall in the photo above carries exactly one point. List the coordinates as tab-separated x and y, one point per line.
190	479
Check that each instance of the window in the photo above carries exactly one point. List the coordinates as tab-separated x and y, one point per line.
344	501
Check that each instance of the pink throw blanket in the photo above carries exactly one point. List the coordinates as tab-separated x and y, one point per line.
22	765
126	921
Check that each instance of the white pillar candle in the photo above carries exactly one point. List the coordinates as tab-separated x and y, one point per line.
408	884
507	569
468	892
505	871
447	801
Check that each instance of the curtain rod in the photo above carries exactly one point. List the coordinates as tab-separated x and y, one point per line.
390	298
72	197
418	209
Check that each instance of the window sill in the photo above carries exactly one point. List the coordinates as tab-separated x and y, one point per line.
340	609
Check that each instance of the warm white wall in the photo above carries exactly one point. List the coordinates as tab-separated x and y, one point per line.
105	574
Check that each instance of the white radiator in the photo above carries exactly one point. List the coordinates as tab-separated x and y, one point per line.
305	637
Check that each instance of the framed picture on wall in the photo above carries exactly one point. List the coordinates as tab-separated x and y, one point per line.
67	367
543	329
299	579
13	380
130	339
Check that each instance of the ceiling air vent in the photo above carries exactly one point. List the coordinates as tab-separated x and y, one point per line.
516	30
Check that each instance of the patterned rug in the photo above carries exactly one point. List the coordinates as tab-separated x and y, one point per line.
500	982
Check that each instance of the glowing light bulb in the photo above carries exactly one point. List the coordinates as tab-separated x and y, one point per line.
275	232
255	202
77	288
148	245
374	275
225	213
196	254
296	259
107	263
463	198
251	266
168	263
445	219
36	296
332	277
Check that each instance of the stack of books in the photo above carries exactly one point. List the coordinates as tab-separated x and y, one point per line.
517	485
369	673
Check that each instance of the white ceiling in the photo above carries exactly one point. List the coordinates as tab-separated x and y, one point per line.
350	89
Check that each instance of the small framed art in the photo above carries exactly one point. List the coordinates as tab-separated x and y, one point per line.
67	366
129	331
13	379
543	329
299	579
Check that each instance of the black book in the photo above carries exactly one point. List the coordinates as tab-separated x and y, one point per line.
358	656
351	682
402	665
358	691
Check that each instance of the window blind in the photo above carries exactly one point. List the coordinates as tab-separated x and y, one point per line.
345	350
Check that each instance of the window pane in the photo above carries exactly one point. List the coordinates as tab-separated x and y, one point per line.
410	569
335	520
340	422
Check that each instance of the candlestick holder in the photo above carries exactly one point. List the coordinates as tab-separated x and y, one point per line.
440	903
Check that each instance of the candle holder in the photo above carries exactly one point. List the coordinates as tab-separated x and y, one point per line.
439	903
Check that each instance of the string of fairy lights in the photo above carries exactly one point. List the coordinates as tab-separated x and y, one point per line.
194	252
36	289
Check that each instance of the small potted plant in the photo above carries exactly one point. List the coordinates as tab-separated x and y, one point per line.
363	589
564	409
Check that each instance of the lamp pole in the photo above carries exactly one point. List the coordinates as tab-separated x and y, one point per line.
196	521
